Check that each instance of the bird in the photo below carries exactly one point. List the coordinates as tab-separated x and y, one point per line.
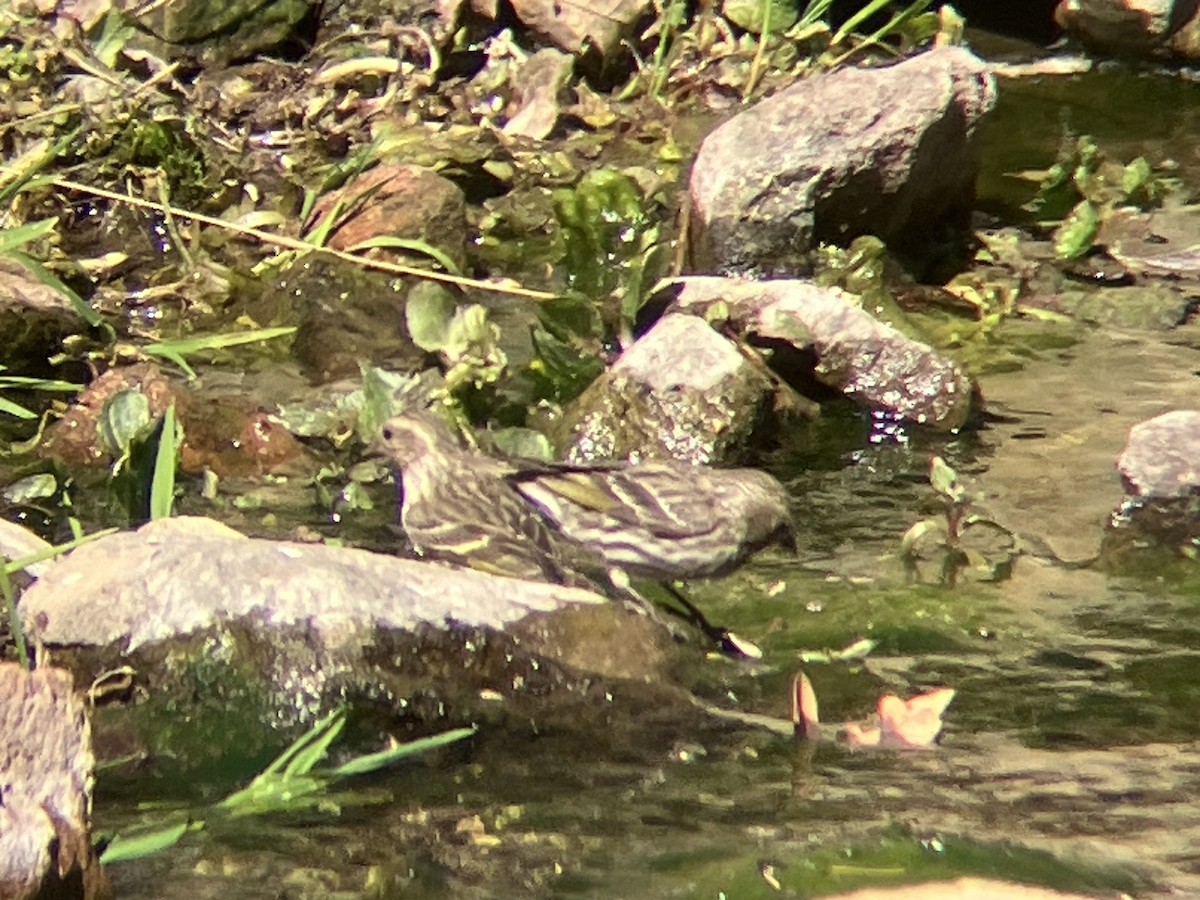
458	506
587	525
663	519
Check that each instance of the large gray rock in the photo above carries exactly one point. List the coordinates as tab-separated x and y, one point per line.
238	643
867	360
176	576
891	152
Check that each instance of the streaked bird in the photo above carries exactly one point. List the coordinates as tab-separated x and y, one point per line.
664	520
459	507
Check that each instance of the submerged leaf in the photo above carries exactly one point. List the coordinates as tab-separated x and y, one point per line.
428	312
1077	233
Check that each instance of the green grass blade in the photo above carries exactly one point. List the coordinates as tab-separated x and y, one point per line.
188	346
46	277
124	849
14	618
16	409
19	565
371	762
15	238
412	245
162	484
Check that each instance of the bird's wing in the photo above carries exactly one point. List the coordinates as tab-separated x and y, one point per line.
518	549
667	500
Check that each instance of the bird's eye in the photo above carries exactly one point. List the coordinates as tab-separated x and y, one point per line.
388	434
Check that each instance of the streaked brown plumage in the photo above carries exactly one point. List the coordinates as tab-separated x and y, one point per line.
664	520
458	506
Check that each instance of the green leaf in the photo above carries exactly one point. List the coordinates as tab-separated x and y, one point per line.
14	238
428	312
1077	233
412	245
125	417
756	16
124	849
162	485
372	762
16	409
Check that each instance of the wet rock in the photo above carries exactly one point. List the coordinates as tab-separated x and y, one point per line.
347	317
278	632
33	319
219	32
574	27
228	434
1162	481
891	152
1132	27
682	391
45	785
1151	307
1162	457
867	360
408	202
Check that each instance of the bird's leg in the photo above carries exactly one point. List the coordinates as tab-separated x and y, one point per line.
722	638
726	640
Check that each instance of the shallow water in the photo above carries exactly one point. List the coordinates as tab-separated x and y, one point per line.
1071	755
1072	751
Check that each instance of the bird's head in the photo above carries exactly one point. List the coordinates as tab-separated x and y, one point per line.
414	437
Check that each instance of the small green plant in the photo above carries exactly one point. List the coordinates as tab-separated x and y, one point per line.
27	383
1084	188
947	533
291	783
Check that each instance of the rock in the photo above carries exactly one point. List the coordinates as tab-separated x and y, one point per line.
1131	27
682	391
33	319
1162	481
867	360
401	201
99	595
891	152
537	85
45	784
219	32
239	643
1161	460
347	317
575	27
227	434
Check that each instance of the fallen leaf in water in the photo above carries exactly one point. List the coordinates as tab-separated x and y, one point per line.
916	722
903	723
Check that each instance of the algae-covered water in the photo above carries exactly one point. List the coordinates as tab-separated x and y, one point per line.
1071	755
